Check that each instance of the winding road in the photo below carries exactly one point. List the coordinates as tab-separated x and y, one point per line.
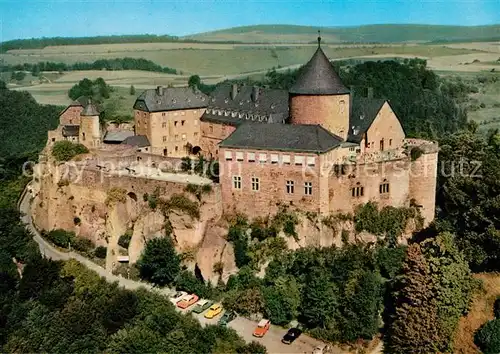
243	326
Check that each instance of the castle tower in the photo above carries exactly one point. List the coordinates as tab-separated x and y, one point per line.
90	130
320	97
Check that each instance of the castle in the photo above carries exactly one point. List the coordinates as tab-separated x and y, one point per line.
317	147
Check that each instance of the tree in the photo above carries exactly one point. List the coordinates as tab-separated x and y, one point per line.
194	81
65	150
159	262
488	337
282	300
415	327
252	348
132	90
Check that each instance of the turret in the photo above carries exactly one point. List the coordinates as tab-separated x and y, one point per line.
319	96
90	129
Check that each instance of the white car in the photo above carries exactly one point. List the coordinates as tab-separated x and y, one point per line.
320	349
178	296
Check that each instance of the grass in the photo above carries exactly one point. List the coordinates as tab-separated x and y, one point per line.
481	311
219	59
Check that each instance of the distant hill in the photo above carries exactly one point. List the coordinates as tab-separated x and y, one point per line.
360	34
286	34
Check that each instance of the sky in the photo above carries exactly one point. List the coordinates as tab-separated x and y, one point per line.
77	18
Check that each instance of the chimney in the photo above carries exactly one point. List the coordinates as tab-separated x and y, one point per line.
159	90
234	91
369	92
255	93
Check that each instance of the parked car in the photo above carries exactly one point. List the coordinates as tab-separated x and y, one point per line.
291	335
213	311
175	298
227	317
262	328
187	301
202	305
321	349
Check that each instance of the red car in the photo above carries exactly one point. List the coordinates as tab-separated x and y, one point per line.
187	301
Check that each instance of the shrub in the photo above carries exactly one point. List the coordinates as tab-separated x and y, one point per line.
145	197
66	150
415	153
100	252
218	267
159	262
488	337
124	239
82	244
116	195
182	203
77	220
61	238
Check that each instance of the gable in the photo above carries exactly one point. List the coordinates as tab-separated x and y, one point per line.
385	124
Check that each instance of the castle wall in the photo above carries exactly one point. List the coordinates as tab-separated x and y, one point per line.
211	135
423	181
272	182
169	132
370	176
329	111
385	132
71	116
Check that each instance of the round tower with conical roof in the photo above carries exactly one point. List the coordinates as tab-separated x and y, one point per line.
319	96
90	129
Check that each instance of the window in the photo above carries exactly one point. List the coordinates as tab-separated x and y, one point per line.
237	182
176	148
357	191
183	113
382	145
308	188
164	139
176	137
286	159
163	114
289	187
211	129
196	120
262	158
390	142
195	134
183	136
175	113
175	123
164	125
251	156
299	160
255	184
384	187
274	159
311	161
228	155
183	121
239	156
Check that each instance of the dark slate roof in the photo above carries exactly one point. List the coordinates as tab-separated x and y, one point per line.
70	130
90	109
363	112
170	99
137	140
117	136
318	77
234	104
282	137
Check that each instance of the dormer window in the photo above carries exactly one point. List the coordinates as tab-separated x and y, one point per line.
233	114
226	113
226	100
219	112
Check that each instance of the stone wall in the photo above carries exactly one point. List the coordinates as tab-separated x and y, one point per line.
90	132
329	111
211	135
71	115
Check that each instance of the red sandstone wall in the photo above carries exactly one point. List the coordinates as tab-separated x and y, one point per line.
272	191
423	184
331	112
211	135
71	116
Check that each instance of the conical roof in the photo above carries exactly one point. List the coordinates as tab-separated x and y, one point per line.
90	109
318	78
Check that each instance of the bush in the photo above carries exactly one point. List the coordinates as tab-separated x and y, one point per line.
182	203
159	262
82	244
66	150
124	239
100	252
77	220
488	337
116	195
61	238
